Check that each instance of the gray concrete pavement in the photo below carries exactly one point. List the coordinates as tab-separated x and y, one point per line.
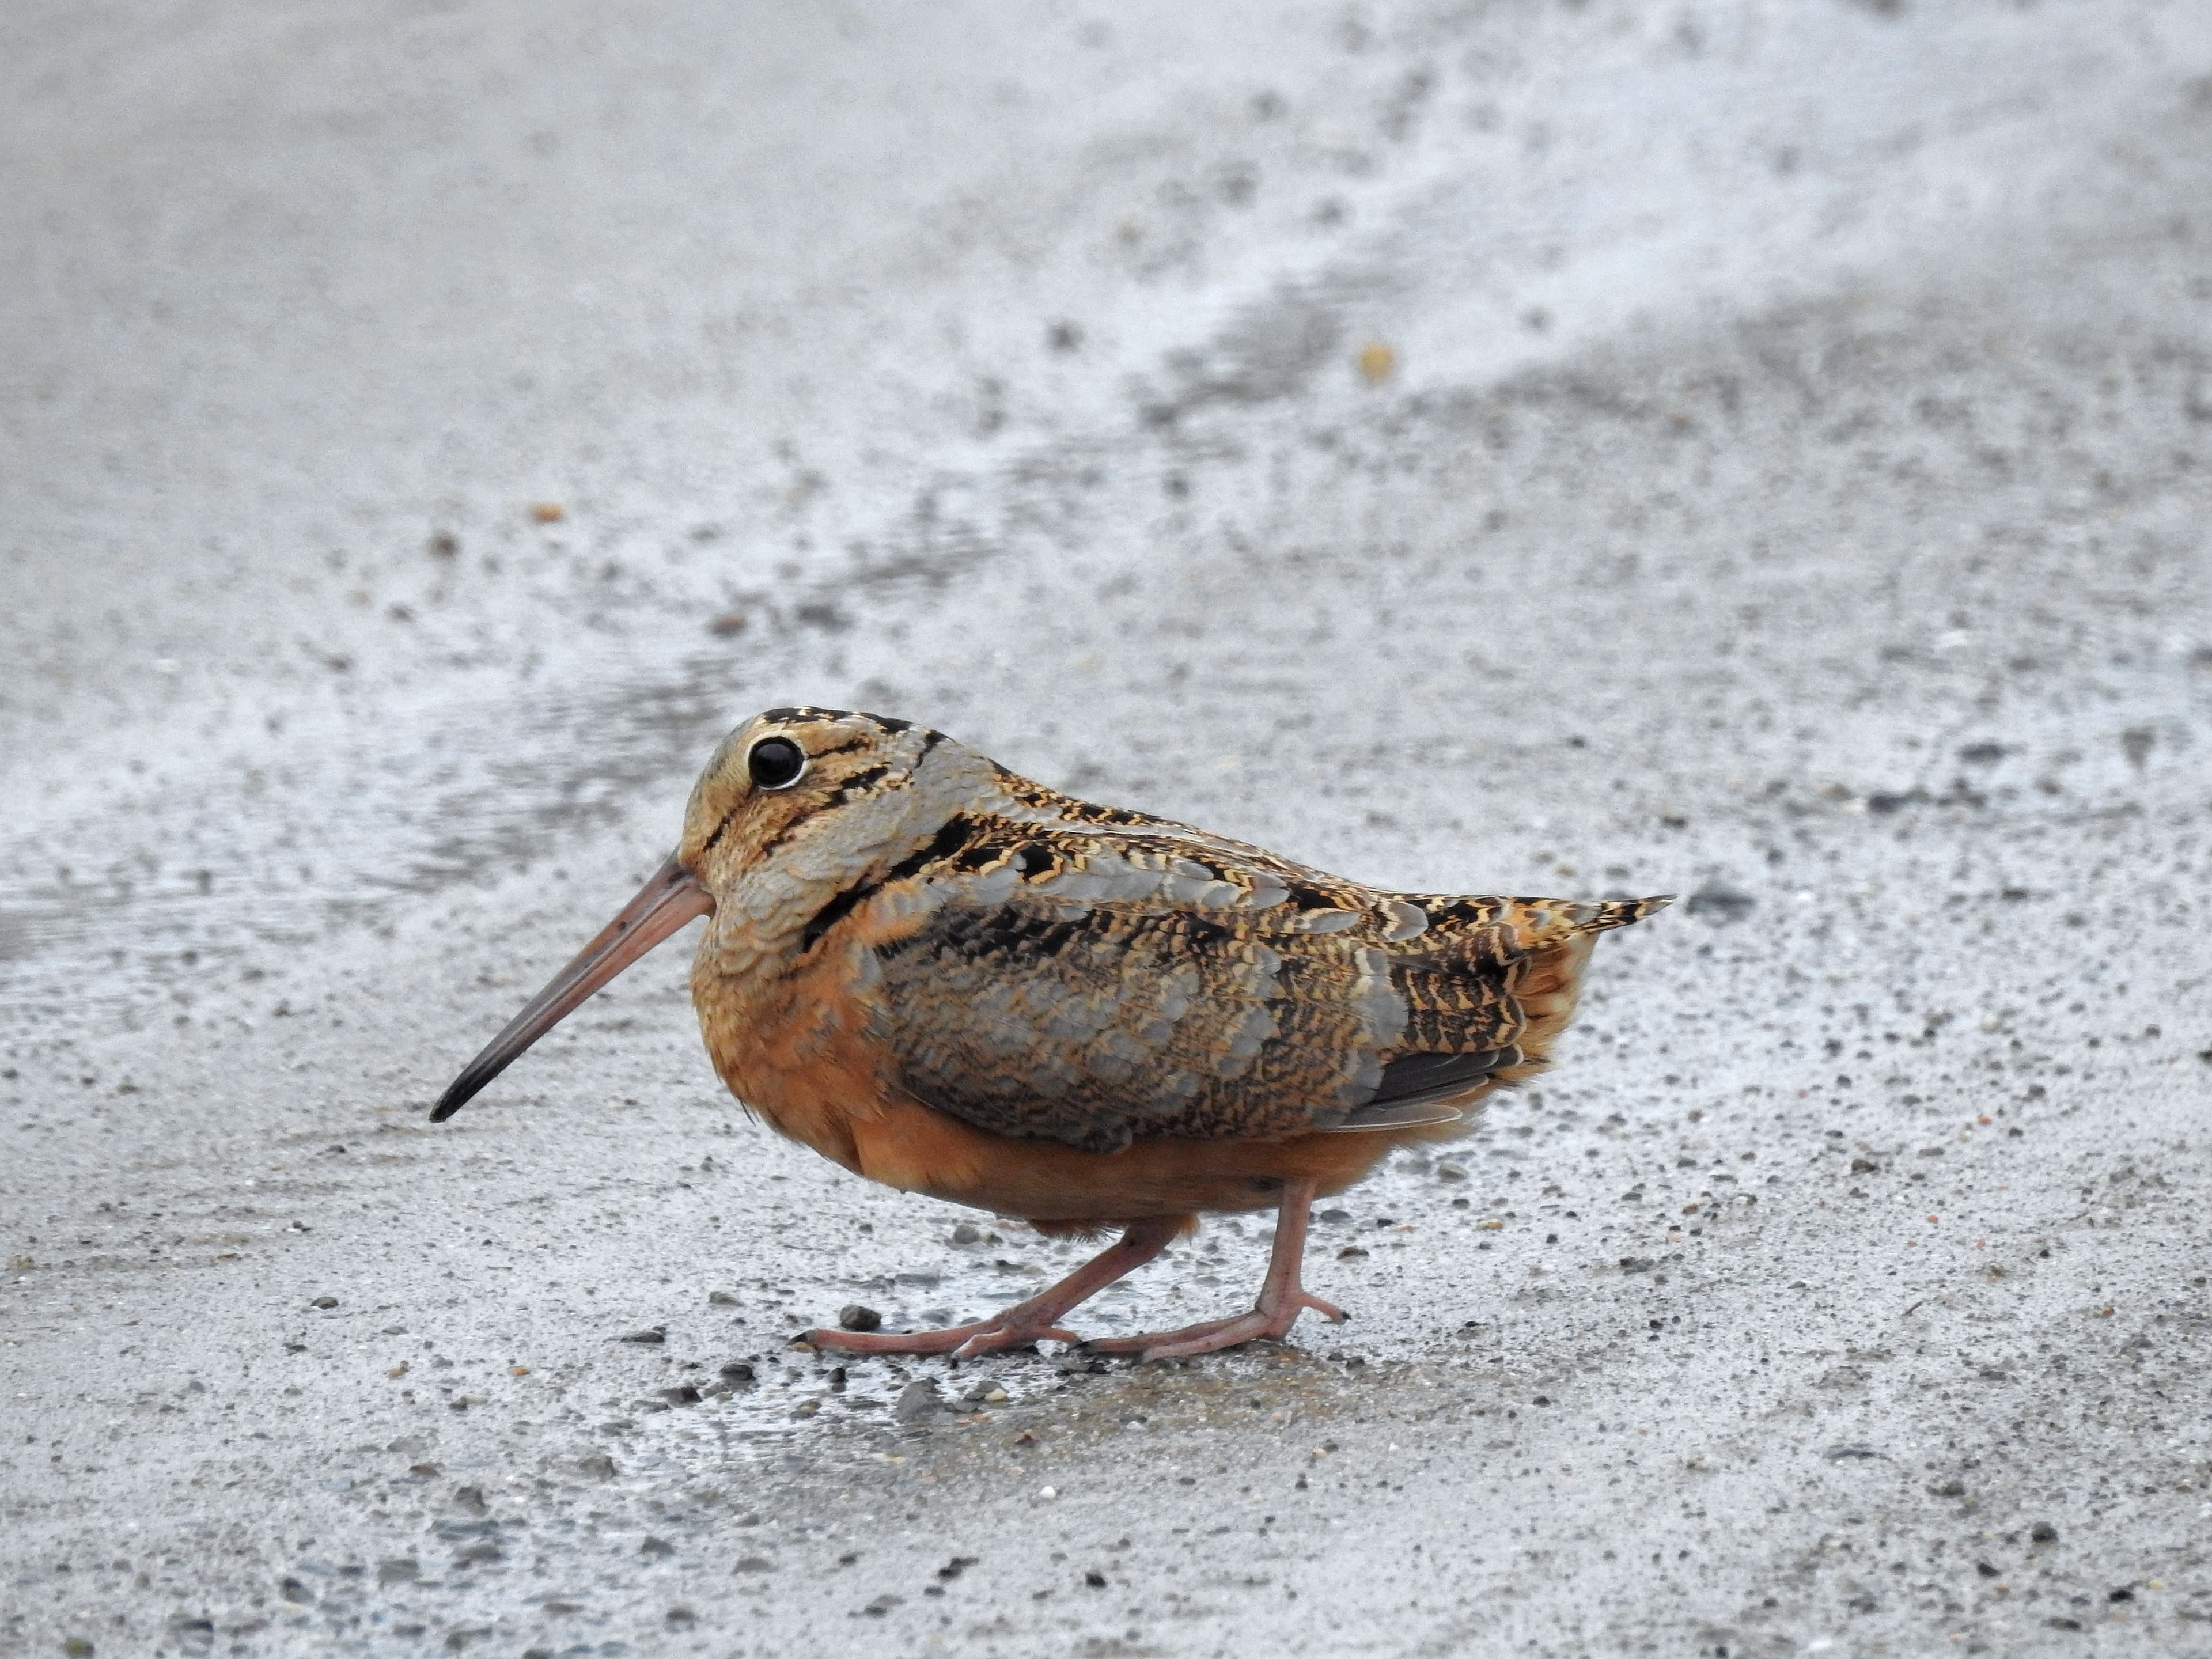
1788	486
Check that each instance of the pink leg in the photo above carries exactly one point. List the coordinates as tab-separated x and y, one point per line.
1026	1323
1282	1298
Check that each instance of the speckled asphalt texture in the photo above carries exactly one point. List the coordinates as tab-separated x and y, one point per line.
1761	452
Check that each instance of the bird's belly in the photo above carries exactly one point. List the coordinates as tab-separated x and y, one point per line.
802	1058
847	1116
916	1149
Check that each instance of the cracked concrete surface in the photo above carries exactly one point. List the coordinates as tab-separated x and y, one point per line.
1758	451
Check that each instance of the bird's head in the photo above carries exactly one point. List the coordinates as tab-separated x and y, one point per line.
805	789
795	801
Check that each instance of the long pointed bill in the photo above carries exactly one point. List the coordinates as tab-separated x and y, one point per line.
672	899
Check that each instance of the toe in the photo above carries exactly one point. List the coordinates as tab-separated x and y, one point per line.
1155	1345
991	1341
1150	1342
886	1341
1227	1334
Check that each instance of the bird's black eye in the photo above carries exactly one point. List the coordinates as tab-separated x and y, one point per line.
776	763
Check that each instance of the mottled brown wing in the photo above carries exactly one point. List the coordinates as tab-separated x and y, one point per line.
1093	1024
1092	990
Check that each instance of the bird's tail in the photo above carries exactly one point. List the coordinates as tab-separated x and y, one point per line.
1550	980
1598	915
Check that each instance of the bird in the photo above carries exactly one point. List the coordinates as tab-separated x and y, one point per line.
955	981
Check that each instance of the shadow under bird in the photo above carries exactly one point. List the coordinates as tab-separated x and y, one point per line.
954	981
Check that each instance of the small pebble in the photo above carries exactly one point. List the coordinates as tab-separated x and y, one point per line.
323	1301
1720	900
918	1400
653	1338
854	1317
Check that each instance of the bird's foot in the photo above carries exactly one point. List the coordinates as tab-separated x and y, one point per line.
1004	1330
1271	1320
1026	1324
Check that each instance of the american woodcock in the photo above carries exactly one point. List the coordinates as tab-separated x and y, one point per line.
957	982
